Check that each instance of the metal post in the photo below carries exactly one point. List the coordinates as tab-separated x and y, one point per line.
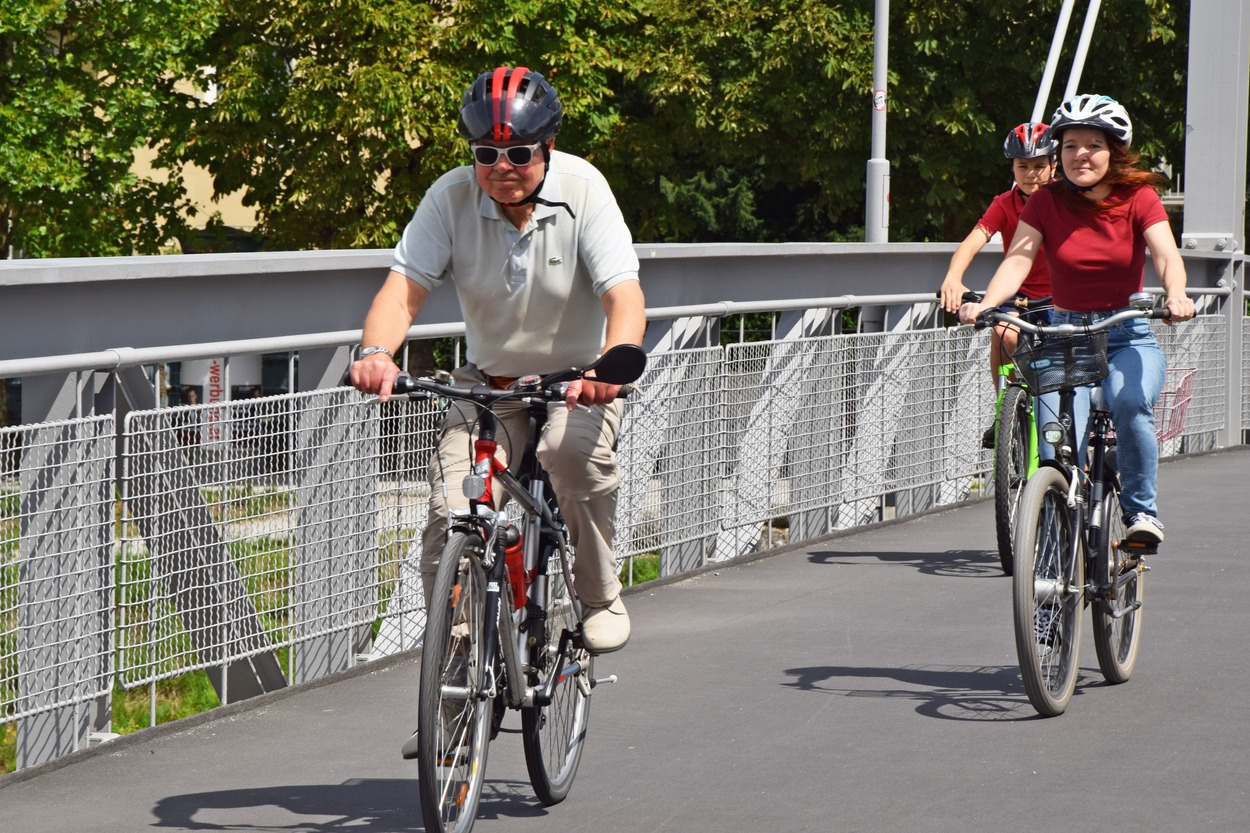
1082	48
877	196
877	209
1215	194
1052	60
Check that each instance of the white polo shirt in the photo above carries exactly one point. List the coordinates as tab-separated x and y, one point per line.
530	297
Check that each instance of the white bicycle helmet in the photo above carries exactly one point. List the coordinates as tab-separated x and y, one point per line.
1098	111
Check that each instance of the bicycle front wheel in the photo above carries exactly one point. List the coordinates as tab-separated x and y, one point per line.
555	734
1011	468
1117	616
1049	593
454	717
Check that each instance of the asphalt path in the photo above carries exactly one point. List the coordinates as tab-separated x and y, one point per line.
865	683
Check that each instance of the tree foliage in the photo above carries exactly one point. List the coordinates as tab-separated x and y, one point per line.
82	84
336	118
734	120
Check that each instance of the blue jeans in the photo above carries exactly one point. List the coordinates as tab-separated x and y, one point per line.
1137	372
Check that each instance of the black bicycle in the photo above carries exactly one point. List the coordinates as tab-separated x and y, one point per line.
1069	544
504	625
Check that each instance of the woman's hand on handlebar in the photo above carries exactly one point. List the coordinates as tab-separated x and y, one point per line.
374	374
1181	307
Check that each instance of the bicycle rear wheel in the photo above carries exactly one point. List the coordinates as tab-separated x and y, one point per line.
1047	606
1011	468
454	718
1117	619
554	734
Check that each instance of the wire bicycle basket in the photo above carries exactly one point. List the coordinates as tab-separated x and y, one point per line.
1062	361
1173	404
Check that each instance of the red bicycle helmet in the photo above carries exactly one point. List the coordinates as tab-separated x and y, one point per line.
1028	141
508	103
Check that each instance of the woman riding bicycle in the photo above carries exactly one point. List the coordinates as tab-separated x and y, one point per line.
1031	150
1096	222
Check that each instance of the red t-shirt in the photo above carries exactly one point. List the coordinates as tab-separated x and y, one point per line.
1003	217
1096	258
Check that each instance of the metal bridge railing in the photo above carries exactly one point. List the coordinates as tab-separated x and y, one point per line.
282	533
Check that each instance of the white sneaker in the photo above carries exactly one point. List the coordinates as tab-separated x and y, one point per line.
409	749
1144	529
606	629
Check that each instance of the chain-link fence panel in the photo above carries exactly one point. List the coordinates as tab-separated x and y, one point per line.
57	507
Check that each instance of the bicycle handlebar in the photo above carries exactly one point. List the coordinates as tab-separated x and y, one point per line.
973	297
990	317
620	365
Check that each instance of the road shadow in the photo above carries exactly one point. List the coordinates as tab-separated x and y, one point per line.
947	692
365	805
952	563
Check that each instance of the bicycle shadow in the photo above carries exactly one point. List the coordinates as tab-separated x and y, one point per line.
945	692
948	563
364	805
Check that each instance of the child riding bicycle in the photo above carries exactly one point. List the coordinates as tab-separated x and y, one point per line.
1031	151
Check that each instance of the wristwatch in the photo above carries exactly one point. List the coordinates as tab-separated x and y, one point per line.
369	351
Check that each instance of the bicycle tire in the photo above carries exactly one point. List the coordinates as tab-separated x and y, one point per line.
555	734
1117	639
1046	609
1011	468
453	732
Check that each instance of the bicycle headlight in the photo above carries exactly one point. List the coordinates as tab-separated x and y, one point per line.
1052	432
474	487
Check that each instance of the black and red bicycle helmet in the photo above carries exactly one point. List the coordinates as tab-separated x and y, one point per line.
1028	141
507	103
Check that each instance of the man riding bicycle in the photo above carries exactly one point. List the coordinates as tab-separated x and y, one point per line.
544	267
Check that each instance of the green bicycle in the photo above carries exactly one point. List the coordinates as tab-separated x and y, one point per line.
1015	440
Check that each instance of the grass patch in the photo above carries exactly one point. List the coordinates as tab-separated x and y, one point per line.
646	567
179	697
8	748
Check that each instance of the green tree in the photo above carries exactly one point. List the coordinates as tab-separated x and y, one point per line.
337	117
735	120
82	85
745	121
751	121
967	72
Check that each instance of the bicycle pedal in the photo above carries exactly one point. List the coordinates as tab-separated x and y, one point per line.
1137	548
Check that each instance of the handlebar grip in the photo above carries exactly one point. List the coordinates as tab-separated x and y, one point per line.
985	319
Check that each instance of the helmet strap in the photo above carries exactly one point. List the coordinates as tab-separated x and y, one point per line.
533	197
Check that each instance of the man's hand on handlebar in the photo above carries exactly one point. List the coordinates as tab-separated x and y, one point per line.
374	374
587	391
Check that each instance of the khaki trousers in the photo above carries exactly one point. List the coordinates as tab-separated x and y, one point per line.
576	449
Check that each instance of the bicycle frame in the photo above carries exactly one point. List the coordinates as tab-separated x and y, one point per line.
1004	372
503	630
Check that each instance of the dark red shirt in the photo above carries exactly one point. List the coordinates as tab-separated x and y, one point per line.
1096	258
1003	217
